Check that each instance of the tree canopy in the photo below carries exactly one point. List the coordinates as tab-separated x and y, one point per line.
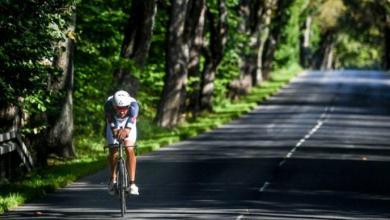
179	58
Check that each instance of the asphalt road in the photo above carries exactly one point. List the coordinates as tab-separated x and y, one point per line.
319	149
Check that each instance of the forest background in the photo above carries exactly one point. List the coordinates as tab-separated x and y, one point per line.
191	64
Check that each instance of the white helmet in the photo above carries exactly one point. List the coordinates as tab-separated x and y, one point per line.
121	99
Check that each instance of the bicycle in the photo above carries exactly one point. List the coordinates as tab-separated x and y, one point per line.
121	178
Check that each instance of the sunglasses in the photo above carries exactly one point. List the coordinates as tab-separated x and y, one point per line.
124	108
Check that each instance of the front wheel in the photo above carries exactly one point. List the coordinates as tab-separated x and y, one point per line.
122	183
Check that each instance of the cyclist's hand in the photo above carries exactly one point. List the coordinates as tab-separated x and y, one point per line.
123	133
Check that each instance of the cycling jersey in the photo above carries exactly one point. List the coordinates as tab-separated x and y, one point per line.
114	122
111	115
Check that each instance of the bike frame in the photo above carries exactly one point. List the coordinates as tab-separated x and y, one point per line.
121	175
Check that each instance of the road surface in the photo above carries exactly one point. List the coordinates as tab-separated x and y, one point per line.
319	149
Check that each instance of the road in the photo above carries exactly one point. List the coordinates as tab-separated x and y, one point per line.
319	149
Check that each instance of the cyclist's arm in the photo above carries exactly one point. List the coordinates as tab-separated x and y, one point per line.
130	123
133	114
108	113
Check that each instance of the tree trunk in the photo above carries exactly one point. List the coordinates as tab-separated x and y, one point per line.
305	43
136	43
195	30
60	133
177	61
207	84
9	117
251	61
218	38
256	17
323	58
264	29
245	79
387	43
328	57
268	54
194	33
278	22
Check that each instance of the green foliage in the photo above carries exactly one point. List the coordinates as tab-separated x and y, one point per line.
360	34
152	137
91	156
228	70
30	30
315	37
287	52
354	54
329	13
99	25
151	89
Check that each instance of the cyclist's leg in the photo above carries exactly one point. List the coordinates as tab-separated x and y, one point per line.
131	159
131	167
112	159
113	152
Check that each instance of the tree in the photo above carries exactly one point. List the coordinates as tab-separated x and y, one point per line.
279	21
29	29
136	43
60	130
328	17
306	27
195	25
384	15
359	29
386	62
259	20
213	53
255	21
176	67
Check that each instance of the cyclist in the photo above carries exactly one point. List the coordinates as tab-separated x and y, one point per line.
121	111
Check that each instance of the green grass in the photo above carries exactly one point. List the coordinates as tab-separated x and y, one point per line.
92	157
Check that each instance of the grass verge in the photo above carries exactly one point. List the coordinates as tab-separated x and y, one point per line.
91	156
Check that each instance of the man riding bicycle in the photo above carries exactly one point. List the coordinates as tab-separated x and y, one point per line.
121	111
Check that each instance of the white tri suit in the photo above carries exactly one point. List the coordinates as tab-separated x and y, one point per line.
129	121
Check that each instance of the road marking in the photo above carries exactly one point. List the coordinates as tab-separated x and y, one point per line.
320	122
240	217
262	189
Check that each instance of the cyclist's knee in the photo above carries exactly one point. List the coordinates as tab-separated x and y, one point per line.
130	151
113	151
129	143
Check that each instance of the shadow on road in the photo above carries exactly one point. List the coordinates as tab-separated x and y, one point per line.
319	149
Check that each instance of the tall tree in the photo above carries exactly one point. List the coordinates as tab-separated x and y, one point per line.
326	51
306	28
255	21
214	52
387	42
259	20
244	83
305	42
60	131
328	16
176	67
195	25
136	43
385	26
278	23
29	29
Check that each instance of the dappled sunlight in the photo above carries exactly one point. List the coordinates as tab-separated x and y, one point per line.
302	154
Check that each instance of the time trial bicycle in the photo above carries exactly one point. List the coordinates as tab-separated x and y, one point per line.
122	183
